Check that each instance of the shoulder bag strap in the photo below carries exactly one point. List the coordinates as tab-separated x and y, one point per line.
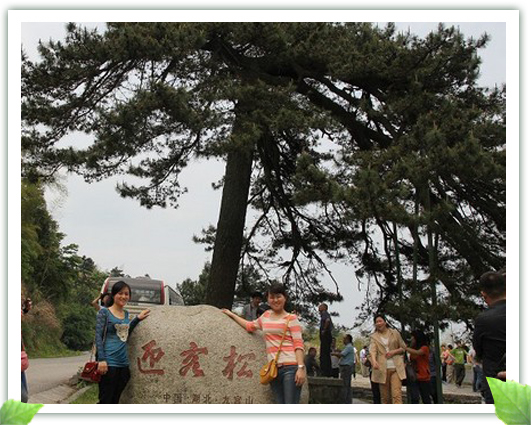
282	340
105	328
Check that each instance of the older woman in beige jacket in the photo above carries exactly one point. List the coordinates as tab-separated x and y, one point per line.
387	358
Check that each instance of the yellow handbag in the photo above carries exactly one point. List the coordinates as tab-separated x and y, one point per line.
269	371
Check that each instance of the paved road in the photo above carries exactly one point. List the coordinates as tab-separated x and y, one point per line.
44	374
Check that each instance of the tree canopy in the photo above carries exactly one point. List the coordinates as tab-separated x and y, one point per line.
348	140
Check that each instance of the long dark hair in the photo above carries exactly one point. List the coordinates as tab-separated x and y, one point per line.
420	339
106	300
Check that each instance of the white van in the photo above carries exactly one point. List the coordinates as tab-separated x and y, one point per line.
145	293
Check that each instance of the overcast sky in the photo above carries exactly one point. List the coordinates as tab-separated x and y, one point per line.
118	232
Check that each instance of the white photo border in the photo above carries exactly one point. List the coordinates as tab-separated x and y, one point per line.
17	17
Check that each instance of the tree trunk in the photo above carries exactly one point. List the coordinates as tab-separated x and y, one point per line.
231	223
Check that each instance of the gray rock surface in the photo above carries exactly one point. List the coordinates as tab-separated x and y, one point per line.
196	355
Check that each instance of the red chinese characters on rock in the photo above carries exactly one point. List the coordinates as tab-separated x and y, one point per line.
153	355
236	363
233	359
191	360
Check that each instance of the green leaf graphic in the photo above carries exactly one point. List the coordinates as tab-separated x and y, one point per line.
18	413
512	401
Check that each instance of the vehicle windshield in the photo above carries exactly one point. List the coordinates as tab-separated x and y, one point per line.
145	295
142	291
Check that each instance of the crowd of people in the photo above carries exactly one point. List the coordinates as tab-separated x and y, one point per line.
390	363
387	360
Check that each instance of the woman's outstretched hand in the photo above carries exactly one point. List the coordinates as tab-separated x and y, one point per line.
227	312
144	314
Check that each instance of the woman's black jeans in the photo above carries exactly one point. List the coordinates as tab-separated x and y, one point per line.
421	389
112	384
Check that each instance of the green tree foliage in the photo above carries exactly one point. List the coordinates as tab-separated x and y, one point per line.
78	328
77	315
32	206
444	173
116	272
415	143
60	282
41	251
248	281
193	292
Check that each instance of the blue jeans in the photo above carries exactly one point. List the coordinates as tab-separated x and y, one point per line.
346	372
478	377
284	388
24	389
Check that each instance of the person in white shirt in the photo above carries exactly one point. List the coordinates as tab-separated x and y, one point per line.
334	356
356	360
364	353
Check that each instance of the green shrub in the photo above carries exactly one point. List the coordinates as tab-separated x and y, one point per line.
78	328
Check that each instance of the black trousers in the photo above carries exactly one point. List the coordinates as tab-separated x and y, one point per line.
433	386
485	390
112	384
375	388
421	389
459	371
324	355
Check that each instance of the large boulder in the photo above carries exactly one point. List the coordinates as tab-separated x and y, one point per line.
196	355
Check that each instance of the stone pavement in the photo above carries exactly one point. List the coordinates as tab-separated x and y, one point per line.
57	395
328	390
64	394
451	392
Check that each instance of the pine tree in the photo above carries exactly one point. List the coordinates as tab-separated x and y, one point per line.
268	98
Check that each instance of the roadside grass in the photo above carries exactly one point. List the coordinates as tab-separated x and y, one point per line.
88	397
52	352
43	340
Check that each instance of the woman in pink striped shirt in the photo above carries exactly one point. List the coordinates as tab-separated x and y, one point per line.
291	371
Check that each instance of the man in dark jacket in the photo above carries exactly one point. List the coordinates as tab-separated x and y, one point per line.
490	329
325	336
